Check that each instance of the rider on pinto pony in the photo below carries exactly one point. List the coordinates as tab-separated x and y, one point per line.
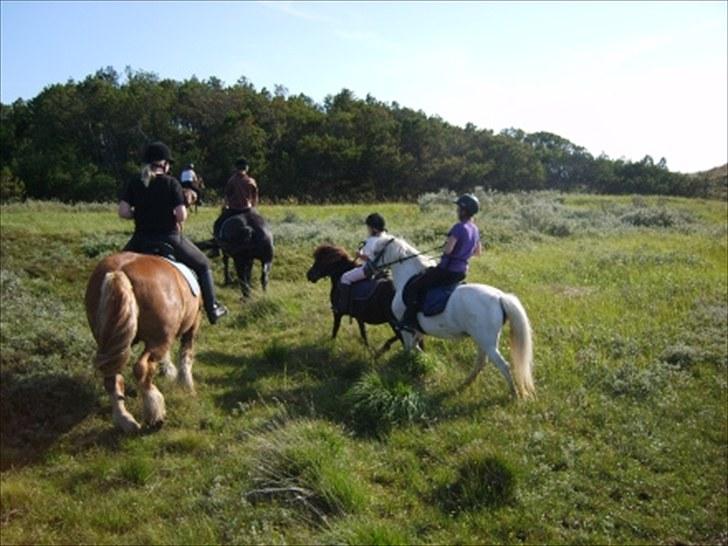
376	228
463	241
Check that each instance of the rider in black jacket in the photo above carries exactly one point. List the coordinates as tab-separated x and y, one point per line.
155	203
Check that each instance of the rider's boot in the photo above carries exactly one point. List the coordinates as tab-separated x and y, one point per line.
409	320
343	302
213	308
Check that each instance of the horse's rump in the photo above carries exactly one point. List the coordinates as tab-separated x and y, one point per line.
160	290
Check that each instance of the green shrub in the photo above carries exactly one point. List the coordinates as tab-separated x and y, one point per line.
482	481
11	187
377	402
308	464
656	217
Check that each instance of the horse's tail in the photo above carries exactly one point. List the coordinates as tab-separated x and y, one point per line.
116	321
521	346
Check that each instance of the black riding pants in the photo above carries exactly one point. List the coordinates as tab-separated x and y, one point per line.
185	250
433	276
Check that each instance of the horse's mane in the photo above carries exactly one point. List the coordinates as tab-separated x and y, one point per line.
407	249
330	254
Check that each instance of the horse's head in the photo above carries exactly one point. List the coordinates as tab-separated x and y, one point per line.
327	260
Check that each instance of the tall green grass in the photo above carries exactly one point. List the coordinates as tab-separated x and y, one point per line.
293	438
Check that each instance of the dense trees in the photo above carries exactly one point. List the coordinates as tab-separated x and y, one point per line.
80	140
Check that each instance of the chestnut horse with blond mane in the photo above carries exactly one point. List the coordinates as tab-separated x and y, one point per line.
134	298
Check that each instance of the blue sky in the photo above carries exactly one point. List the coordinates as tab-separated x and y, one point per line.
624	78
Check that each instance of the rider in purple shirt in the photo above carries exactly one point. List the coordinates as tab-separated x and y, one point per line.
463	241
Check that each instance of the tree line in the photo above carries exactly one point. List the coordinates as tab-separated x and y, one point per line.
79	141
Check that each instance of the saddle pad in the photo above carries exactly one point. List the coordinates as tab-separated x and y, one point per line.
363	290
189	276
436	299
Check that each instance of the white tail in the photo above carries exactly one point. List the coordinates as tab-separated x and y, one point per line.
521	346
116	322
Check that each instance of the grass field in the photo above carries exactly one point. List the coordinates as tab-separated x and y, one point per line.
627	441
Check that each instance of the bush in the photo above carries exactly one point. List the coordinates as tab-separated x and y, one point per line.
482	481
656	217
379	402
308	464
11	187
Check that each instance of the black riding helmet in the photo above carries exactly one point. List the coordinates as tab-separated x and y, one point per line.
242	164
156	151
469	203
375	221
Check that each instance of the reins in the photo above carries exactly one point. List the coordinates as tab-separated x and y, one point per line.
376	266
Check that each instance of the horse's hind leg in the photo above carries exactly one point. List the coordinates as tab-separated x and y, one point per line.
114	385
479	365
154	407
226	269
184	378
496	358
363	332
265	275
244	269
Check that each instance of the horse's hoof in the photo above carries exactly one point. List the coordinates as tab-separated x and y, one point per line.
154	407
168	370
127	423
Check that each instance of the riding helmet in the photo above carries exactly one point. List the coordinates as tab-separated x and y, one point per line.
375	221
242	164
156	151
469	203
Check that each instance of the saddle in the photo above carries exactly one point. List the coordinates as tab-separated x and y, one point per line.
363	290
158	248
166	251
235	234
435	299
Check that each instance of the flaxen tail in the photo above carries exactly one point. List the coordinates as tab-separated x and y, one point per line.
521	346
116	322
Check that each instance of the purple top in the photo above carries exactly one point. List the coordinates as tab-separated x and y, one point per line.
468	238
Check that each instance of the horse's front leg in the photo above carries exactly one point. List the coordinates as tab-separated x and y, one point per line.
114	385
337	325
411	341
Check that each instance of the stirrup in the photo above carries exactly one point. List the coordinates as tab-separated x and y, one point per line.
218	311
405	327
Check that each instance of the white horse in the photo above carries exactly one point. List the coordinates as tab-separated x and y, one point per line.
476	310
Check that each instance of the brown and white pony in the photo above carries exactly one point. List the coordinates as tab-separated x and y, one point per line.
133	298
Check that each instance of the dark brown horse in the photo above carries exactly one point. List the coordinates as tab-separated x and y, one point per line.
333	261
191	193
133	298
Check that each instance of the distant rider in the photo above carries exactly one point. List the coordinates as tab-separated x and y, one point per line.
463	241
241	194
155	202
189	179
376	229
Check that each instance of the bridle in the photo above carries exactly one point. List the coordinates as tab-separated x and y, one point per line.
376	266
